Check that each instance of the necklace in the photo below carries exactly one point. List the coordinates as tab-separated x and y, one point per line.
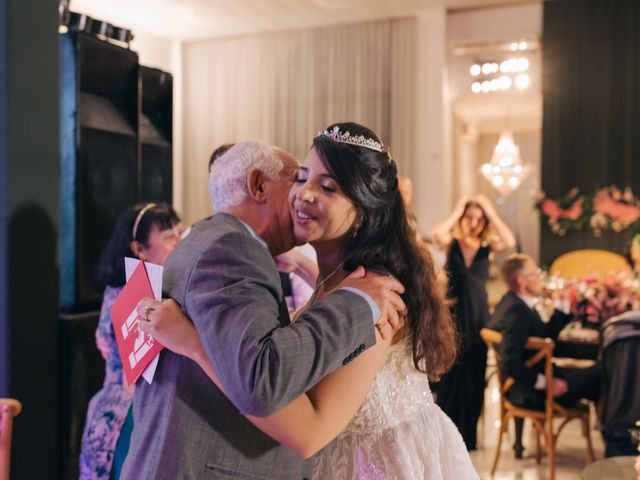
324	280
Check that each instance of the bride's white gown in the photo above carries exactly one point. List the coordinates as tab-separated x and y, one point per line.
399	432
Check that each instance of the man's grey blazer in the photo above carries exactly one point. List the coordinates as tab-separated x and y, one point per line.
226	282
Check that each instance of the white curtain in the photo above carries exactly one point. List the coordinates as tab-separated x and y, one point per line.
283	88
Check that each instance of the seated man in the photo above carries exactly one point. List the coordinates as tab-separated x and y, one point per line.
517	319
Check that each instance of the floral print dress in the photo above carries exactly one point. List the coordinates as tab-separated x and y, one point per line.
108	408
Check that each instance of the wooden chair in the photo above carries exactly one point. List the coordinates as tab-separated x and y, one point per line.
542	420
9	408
579	263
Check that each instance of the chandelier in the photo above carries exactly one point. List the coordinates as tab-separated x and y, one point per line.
505	171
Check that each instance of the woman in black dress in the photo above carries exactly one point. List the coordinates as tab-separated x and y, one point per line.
471	233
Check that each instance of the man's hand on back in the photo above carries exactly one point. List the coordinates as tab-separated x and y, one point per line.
385	291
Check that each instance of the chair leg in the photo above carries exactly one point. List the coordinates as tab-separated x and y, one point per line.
551	455
538	449
517	445
503	426
586	431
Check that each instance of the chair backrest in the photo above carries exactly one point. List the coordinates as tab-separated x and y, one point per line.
543	348
492	340
620	364
579	263
9	408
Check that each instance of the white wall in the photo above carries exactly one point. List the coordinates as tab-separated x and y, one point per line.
153	51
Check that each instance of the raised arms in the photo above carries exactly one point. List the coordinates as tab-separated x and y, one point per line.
441	231
504	238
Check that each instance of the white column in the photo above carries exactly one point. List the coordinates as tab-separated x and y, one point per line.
432	167
466	160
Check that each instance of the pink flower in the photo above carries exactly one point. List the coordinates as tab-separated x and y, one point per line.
627	214
589	279
616	195
621	214
628	195
550	208
573	212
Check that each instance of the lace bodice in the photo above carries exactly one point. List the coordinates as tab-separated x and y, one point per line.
398	433
398	392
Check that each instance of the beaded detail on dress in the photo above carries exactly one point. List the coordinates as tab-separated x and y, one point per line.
398	432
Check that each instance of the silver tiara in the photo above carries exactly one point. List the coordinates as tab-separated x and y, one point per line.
346	137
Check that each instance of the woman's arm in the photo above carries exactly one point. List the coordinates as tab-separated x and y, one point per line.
441	232
311	421
295	262
504	239
308	423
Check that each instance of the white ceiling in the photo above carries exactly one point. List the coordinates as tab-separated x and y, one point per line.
193	20
190	20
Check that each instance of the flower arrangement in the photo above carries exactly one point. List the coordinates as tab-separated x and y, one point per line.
608	209
568	213
596	299
614	209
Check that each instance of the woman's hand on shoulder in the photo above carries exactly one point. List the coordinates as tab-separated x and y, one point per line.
288	261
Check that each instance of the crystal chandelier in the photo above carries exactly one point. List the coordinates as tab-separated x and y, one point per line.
505	171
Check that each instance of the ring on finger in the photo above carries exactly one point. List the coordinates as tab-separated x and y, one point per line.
145	314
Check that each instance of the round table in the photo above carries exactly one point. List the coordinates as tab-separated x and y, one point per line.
613	468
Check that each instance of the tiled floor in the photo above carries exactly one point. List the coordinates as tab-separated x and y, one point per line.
570	451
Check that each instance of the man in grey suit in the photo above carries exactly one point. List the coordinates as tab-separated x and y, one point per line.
224	277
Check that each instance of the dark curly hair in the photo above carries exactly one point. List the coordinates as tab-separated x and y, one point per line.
382	239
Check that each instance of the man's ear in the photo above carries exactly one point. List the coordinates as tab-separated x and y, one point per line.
255	185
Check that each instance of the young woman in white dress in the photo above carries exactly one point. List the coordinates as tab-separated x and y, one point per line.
345	202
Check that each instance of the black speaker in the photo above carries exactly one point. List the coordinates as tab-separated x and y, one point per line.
156	134
99	157
83	374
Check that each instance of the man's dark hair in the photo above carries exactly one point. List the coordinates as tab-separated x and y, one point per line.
512	267
381	239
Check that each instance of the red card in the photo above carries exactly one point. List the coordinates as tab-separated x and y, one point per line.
136	347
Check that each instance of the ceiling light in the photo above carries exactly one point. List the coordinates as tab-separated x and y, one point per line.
522	64
505	82
522	81
505	163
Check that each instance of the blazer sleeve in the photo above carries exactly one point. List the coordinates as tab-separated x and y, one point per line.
232	298
556	323
512	349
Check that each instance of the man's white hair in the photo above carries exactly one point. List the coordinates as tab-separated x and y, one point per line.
228	176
